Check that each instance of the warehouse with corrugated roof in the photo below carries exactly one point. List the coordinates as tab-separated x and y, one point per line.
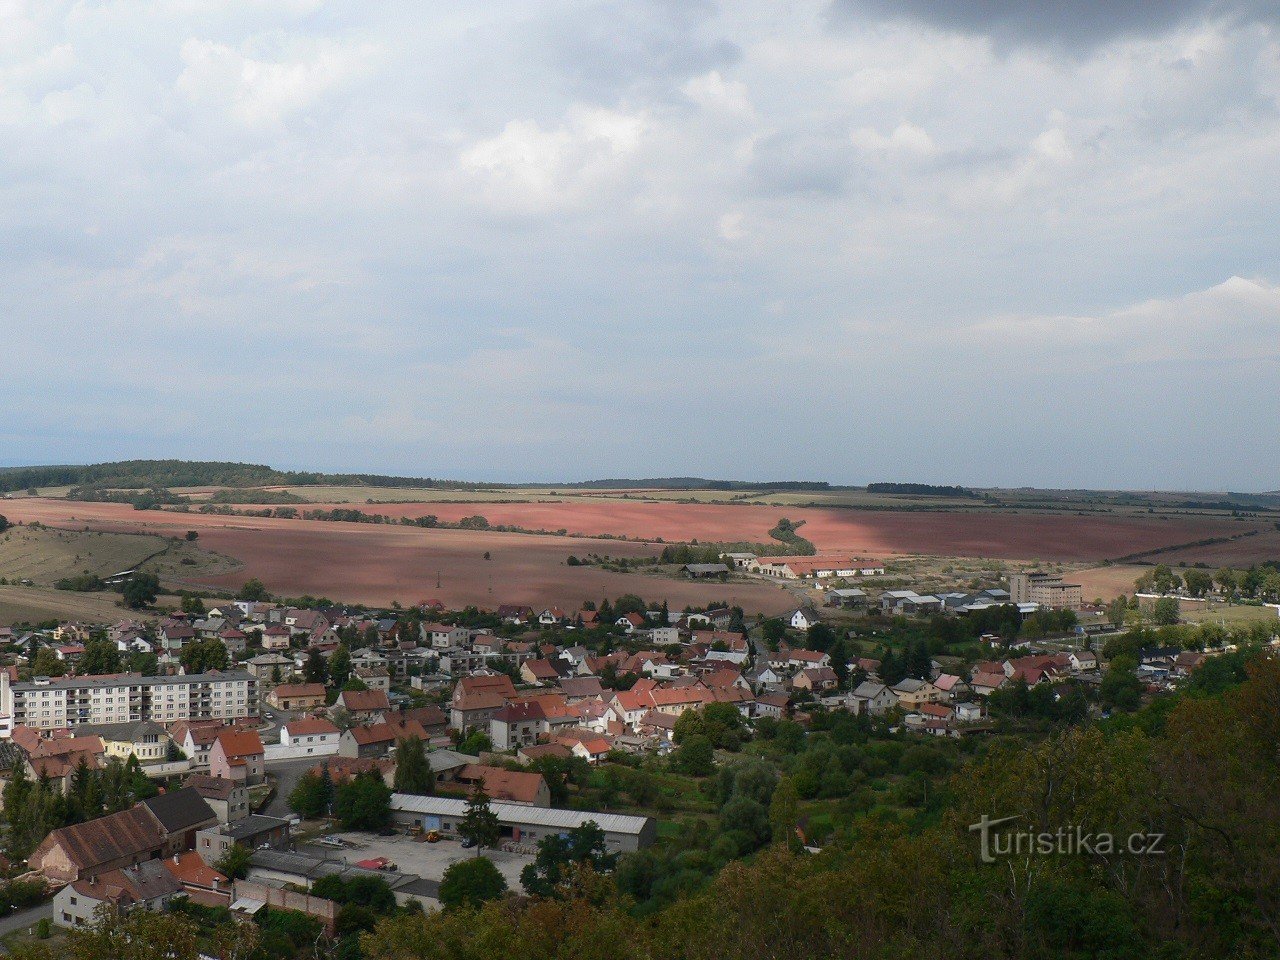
524	824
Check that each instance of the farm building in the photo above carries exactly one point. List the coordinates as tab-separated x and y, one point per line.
524	824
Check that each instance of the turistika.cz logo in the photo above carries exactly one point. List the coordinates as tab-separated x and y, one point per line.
1065	841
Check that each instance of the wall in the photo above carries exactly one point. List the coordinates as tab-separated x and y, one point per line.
324	910
276	751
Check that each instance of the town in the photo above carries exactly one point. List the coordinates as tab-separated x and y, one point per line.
247	759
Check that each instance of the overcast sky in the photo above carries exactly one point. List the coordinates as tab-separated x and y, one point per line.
976	241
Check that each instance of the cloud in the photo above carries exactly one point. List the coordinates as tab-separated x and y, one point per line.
549	240
1070	24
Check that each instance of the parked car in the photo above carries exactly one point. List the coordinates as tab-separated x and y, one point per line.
468	843
331	842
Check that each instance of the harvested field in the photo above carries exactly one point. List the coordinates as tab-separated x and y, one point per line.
378	564
996	535
38	604
1107	582
1240	553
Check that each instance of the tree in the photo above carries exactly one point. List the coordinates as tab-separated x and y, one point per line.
47	664
100	656
340	665
479	823
1199	582
315	670
141	590
204	655
559	853
695	756
253	589
133	935
413	771
1165	611
192	536
470	883
313	795
192	604
4	523
1121	688
784	813
363	802
235	862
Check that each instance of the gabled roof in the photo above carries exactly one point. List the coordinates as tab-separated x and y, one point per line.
190	868
180	810
240	743
129	833
299	690
502	784
364	700
310	726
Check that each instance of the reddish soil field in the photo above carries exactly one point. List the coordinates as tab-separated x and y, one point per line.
377	564
997	535
1243	552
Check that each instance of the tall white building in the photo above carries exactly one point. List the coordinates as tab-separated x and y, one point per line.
46	703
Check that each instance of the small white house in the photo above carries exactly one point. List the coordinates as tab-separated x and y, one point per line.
315	733
803	619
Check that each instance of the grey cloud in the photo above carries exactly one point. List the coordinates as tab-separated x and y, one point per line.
804	163
1067	24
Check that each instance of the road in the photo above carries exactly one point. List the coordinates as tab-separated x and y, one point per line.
23	919
287	774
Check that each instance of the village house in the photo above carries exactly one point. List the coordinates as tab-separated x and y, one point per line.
146	886
913	693
874	699
363	706
314	734
228	799
144	739
237	755
297	696
477	698
816	680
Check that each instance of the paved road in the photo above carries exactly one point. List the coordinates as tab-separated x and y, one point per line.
23	919
287	774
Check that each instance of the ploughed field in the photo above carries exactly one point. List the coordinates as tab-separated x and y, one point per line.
381	563
998	535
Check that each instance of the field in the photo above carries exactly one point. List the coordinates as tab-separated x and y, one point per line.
37	604
378	564
1046	537
1107	582
1227	614
381	563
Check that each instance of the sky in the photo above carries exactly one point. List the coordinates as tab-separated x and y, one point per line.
957	241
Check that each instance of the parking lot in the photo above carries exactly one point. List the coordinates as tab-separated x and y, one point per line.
427	860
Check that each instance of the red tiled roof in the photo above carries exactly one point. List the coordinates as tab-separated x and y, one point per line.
237	744
310	726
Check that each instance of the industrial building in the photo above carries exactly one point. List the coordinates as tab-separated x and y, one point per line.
522	823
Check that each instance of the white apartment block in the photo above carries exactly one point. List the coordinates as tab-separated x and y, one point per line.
48	704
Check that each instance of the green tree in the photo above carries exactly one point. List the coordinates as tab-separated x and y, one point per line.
313	795
141	590
253	589
204	655
695	756
559	853
340	665
47	664
235	862
784	813
100	656
479	824
471	883
413	770
363	802
1199	582
315	670
1121	689
1165	611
